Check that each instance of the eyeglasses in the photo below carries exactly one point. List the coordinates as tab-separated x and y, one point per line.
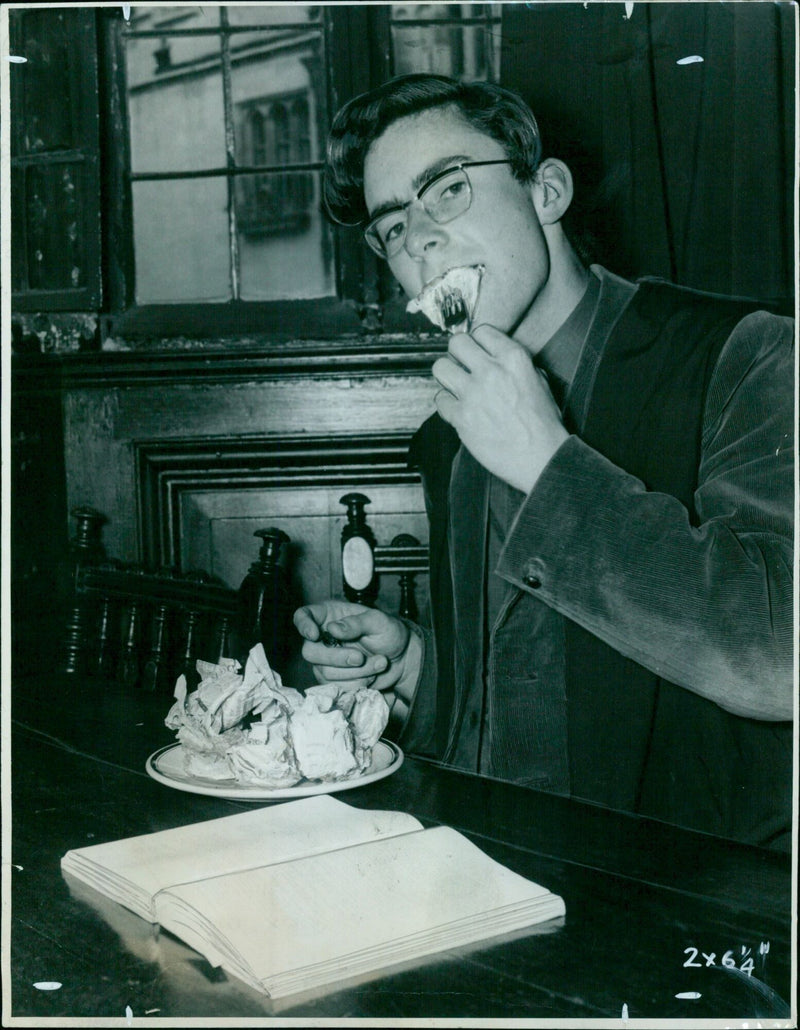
444	197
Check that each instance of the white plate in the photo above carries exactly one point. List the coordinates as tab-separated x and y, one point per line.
167	766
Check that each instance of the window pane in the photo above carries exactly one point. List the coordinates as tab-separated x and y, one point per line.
279	90
55	196
181	240
445	46
160	56
175	97
285	246
185	112
44	97
273	14
178	126
280	118
50	197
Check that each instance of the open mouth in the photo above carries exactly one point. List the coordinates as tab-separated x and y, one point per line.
449	301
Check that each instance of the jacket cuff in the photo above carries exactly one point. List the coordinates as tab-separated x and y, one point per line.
547	538
412	718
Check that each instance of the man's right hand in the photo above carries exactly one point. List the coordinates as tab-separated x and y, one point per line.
376	649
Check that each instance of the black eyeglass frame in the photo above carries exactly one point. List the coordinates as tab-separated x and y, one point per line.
374	242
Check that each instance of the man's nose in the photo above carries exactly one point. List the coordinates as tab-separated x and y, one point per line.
422	233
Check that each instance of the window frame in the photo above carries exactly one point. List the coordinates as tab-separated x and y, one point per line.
354	39
358	55
83	75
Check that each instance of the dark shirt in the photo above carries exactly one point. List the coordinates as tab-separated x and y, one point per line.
559	358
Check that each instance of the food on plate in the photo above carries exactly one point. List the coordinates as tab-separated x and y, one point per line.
450	300
249	727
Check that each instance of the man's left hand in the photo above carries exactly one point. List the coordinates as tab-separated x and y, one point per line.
500	405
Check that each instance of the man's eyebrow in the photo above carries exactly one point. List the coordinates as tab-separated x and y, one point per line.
418	181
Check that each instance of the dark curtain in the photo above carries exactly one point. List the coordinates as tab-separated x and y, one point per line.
683	169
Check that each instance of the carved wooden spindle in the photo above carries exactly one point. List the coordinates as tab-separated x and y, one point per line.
103	662
408	601
74	637
86	548
264	599
187	660
222	647
128	665
200	640
359	580
154	674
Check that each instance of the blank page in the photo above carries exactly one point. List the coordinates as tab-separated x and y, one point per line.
263	836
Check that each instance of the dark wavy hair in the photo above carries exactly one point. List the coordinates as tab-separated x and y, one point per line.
495	111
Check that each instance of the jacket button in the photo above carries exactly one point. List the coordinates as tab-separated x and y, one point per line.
533	582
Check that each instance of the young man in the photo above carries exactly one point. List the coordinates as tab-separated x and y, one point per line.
609	480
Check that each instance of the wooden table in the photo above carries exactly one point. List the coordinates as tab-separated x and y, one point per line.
661	922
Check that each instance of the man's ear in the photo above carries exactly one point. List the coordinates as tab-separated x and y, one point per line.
552	190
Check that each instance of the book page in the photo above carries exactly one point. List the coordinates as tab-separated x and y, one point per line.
271	834
367	900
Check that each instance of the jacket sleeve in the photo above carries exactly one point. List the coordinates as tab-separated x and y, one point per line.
706	606
412	721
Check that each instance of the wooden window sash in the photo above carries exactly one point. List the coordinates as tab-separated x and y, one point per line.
357	57
82	73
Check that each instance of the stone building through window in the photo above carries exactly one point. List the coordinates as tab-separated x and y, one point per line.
276	132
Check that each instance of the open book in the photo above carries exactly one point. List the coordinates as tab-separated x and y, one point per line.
310	892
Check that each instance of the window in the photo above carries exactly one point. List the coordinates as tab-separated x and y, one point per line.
275	131
214	122
462	40
214	94
55	260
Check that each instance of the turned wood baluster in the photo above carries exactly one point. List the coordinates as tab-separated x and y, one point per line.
103	651
103	663
264	598
359	579
128	665
86	548
154	675
222	641
408	600
74	637
187	663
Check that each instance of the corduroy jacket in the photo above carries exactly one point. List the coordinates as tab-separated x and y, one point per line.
643	655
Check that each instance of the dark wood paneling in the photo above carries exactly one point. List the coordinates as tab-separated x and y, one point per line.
166	471
246	359
55	158
38	518
188	454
